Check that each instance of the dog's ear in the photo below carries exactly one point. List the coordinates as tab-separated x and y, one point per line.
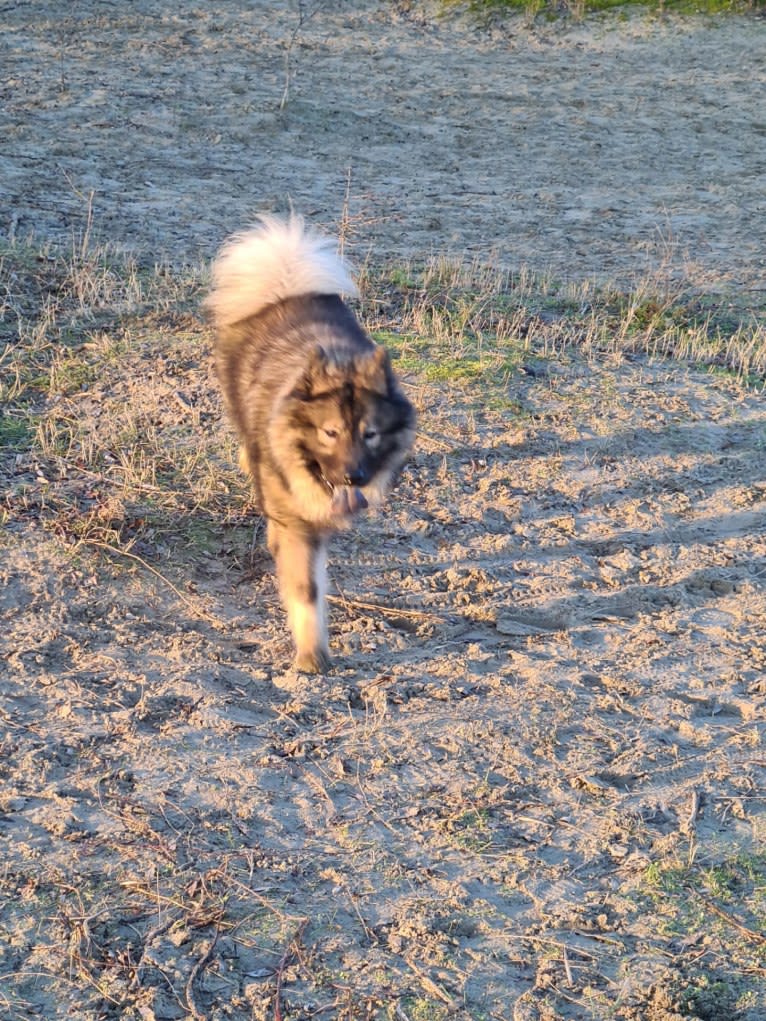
315	371
376	371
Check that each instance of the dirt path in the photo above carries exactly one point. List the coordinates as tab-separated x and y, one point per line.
595	151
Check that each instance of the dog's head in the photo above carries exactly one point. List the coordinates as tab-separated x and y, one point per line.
355	425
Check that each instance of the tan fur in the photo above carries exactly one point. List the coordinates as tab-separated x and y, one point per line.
302	578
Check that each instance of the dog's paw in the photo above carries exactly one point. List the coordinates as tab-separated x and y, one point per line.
315	662
347	500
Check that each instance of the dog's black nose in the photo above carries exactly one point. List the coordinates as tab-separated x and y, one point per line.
357	477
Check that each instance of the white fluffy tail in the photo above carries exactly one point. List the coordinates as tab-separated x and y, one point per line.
275	260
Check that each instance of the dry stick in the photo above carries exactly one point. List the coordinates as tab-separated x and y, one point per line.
371	936
545	941
263	901
345	219
153	570
430	986
560	992
303	19
372	811
393	611
83	973
757	937
568	968
136	886
198	967
158	930
689	823
140	487
323	1008
599	939
292	950
435	441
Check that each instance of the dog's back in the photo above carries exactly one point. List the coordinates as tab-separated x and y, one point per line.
276	296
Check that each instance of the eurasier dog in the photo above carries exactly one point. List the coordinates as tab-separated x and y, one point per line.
323	425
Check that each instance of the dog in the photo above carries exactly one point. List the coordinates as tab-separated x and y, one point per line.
323	424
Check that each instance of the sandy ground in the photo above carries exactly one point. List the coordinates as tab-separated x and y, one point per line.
592	151
499	807
510	803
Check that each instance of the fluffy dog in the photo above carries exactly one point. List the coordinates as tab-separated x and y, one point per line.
323	424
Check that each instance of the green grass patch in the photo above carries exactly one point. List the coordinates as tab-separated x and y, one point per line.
475	323
471	830
486	9
422	1008
711	997
15	431
727	896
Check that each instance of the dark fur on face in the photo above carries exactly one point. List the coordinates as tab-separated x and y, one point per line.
350	418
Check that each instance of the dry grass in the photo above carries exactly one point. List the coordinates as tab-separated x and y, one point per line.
107	398
84	332
472	310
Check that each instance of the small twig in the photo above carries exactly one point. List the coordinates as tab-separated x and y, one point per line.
158	930
757	937
599	939
319	788
258	896
182	403
376	682
566	996
372	811
568	968
435	441
152	570
688	824
431	987
391	611
344	216
367	930
291	951
303	19
323	1008
83	973
196	970
257	527
547	941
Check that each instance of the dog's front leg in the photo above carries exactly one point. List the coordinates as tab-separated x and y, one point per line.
301	559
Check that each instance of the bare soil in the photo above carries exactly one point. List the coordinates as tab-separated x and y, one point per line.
533	786
592	150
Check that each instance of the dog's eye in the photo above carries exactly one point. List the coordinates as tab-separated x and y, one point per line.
370	435
330	434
